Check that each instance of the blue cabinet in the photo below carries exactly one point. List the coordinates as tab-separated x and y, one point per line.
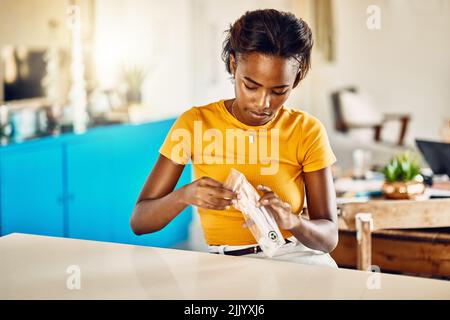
31	191
91	189
85	186
138	153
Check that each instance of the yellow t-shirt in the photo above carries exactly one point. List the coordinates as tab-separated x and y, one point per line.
274	154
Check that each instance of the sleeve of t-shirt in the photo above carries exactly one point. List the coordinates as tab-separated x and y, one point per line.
178	143
314	152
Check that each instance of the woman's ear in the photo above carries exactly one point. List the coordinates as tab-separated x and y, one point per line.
233	64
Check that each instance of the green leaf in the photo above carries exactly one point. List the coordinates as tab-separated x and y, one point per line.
403	167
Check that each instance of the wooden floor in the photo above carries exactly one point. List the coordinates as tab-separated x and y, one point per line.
418	252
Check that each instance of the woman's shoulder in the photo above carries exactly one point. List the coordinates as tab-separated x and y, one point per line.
301	118
196	112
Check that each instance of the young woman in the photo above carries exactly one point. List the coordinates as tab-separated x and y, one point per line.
267	52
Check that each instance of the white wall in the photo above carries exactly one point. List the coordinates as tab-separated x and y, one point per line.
183	38
25	22
154	34
405	65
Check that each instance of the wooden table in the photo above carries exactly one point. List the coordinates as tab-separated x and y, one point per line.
418	252
35	267
402	249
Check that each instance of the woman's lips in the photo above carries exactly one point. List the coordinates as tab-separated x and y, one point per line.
260	115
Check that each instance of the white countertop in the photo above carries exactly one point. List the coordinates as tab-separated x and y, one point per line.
35	267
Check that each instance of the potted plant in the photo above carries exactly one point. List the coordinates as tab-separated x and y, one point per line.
402	178
134	77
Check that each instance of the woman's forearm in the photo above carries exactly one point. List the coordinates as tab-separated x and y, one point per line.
320	234
151	215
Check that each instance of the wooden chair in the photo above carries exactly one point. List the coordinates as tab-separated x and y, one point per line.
342	124
390	214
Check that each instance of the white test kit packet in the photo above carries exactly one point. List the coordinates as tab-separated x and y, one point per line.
261	223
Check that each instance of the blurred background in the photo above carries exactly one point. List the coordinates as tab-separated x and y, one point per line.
89	88
167	54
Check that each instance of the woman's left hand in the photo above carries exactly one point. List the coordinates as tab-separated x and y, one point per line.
281	211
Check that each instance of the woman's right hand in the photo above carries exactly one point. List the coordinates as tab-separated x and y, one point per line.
209	194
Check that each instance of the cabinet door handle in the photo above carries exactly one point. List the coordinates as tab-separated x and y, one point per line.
61	199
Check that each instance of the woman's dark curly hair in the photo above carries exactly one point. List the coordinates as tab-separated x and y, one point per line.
269	32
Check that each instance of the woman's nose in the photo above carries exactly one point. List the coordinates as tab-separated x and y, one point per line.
264	101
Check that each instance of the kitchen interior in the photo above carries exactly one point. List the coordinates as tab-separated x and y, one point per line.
90	88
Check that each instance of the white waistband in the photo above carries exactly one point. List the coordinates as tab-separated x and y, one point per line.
225	248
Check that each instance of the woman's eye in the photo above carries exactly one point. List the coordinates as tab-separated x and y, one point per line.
250	88
280	93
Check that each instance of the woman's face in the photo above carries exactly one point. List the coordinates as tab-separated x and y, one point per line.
262	85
